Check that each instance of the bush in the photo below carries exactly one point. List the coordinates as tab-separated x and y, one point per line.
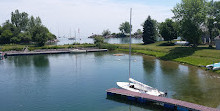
108	46
98	41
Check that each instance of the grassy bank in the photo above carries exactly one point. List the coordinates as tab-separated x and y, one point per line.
200	56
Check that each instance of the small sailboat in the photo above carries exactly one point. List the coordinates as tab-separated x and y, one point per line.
215	66
71	38
137	86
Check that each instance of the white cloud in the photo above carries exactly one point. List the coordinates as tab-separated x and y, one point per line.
91	16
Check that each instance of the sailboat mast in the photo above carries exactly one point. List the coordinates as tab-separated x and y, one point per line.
130	47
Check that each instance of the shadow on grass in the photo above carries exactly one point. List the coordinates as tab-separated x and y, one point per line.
166	44
180	52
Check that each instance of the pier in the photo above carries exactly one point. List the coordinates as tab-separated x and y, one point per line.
39	52
167	102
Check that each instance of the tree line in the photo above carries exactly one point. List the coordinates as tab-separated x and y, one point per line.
191	20
24	29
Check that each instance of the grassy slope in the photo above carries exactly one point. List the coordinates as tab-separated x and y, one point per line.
200	56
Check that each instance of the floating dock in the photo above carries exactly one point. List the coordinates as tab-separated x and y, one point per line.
167	102
39	52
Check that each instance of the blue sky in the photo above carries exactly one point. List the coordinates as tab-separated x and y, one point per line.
91	16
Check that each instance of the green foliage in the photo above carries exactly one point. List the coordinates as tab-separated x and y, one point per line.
191	32
9	26
6	36
149	31
120	35
20	20
51	36
125	27
22	29
98	41
15	40
40	35
25	37
191	15
106	32
34	22
213	20
167	30
108	46
138	32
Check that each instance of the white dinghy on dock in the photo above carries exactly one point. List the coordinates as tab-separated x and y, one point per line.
136	86
139	87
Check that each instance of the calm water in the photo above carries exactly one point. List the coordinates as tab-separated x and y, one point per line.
90	40
77	82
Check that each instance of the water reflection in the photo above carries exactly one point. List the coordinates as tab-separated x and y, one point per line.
40	61
149	64
74	81
183	82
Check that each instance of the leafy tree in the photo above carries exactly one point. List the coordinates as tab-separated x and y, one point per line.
15	40
22	29
1	30
9	26
213	20
106	32
98	40
167	30
39	35
125	27
20	20
187	28
191	13
34	22
25	37
149	31
138	32
51	36
6	36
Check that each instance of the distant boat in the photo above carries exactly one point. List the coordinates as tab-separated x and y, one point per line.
134	85
215	66
71	38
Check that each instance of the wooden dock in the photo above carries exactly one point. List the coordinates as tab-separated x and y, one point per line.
168	102
40	52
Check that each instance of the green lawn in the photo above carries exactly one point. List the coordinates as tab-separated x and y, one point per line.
200	56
